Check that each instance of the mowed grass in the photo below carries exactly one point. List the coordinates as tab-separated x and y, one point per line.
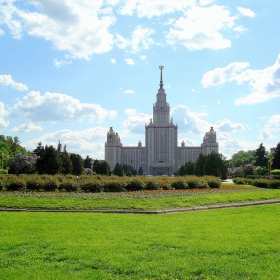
82	202
236	243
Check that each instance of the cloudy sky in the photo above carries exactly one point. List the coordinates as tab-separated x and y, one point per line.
71	69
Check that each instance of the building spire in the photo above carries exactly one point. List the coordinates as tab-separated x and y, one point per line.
161	82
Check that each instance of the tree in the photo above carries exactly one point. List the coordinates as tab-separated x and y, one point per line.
88	162
39	149
67	166
15	145
190	168
101	167
118	170
260	156
199	165
59	147
77	163
140	171
49	161
247	157
276	157
22	164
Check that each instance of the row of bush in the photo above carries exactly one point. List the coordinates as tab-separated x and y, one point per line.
259	183
99	183
276	177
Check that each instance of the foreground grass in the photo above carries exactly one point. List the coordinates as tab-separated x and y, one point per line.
239	243
86	202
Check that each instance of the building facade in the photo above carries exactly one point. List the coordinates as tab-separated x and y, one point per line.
161	154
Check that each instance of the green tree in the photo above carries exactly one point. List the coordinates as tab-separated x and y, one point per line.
88	162
190	168
49	161
77	163
67	166
260	156
247	157
276	157
101	167
39	149
140	171
199	165
212	165
118	170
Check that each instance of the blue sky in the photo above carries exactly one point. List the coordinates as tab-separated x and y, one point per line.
71	69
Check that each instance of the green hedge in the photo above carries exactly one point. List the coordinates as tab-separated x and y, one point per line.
99	183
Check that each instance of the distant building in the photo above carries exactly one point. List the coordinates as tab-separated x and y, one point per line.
161	154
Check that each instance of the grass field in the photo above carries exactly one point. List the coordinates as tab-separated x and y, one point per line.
238	243
149	200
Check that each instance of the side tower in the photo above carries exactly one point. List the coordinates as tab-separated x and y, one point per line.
210	143
113	148
161	137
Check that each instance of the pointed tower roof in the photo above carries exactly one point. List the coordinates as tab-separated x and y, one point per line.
161	81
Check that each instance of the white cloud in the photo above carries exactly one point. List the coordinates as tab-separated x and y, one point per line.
129	61
246	12
3	112
221	75
143	57
60	107
78	27
130	111
152	8
229	146
58	63
136	121
201	27
84	142
271	128
2	32
140	39
227	126
6	80
188	142
27	127
264	84
129	91
189	121
3	123
113	61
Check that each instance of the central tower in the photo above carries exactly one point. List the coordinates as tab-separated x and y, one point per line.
161	109
161	137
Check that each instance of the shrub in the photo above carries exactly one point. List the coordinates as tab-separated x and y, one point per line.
49	183
3	171
114	186
275	172
274	184
135	185
15	184
202	184
33	183
91	187
69	185
214	184
260	183
179	185
151	185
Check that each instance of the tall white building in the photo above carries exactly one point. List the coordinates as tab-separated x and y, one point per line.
161	154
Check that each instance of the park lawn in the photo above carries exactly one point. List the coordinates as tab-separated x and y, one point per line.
233	243
79	201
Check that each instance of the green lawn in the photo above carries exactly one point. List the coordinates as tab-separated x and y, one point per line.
236	243
85	202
